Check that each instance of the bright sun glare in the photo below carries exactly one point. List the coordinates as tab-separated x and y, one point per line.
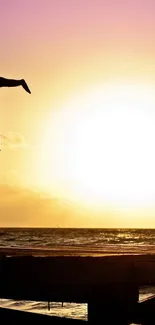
99	148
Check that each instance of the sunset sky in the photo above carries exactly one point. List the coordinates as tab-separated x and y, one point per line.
79	151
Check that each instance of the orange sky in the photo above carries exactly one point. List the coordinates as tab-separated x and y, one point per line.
68	52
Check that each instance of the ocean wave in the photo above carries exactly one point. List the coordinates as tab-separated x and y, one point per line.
50	238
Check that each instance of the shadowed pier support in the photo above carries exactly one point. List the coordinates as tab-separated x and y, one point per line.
144	312
112	304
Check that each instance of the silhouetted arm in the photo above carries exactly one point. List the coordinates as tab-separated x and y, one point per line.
4	82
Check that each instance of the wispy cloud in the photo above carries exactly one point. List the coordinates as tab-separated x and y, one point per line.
13	140
23	207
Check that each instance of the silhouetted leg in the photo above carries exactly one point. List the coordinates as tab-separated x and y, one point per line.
14	83
25	86
9	82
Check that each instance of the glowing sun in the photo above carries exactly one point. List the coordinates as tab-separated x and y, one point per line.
99	148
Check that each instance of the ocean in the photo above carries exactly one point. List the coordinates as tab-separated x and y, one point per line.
102	241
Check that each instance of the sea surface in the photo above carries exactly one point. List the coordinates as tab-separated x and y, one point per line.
106	241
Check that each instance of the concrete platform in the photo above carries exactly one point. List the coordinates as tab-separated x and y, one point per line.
104	282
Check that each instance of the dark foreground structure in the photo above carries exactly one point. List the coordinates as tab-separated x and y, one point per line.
108	284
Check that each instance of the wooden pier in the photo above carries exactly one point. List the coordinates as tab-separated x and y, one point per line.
108	284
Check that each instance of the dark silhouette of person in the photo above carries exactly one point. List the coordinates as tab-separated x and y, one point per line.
4	82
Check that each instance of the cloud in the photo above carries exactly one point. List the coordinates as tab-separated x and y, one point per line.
21	207
10	177
13	140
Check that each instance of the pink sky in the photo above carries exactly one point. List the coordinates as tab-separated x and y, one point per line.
42	25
